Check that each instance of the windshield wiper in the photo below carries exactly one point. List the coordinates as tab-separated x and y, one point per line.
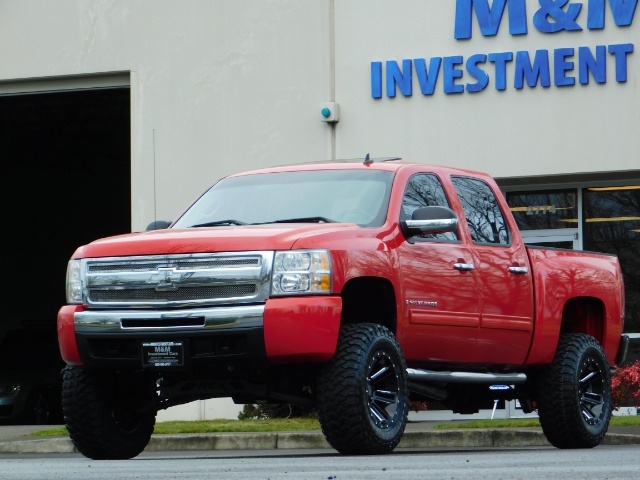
304	220
218	223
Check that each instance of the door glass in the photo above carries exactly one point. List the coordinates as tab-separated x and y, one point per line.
424	190
482	211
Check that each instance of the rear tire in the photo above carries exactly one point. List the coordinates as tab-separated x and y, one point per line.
102	413
575	398
363	393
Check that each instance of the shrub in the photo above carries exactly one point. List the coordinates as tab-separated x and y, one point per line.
625	384
274	410
417	406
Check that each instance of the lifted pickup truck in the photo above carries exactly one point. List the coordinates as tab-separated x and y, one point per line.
351	287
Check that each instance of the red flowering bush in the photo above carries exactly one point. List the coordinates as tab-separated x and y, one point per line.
625	384
417	406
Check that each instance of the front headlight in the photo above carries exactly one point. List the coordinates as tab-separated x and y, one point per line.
74	282
300	272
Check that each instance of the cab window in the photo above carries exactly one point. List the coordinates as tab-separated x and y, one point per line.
424	190
482	211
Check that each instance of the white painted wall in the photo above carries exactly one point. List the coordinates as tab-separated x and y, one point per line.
212	409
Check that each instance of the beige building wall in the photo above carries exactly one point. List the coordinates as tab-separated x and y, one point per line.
528	132
216	86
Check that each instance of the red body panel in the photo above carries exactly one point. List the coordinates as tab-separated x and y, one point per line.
301	329
560	275
203	240
67	335
506	326
439	333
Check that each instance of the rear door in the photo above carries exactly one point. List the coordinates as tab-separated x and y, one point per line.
502	271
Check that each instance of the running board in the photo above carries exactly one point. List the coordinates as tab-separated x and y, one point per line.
418	375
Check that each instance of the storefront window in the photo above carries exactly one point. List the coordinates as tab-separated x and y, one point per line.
612	225
553	209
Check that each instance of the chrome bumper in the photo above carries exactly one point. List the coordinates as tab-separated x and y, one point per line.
219	318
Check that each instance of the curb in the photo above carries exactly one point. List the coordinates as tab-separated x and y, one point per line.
487	438
49	445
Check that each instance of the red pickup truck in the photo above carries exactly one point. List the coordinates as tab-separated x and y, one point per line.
352	287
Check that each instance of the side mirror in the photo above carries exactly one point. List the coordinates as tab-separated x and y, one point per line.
158	225
431	220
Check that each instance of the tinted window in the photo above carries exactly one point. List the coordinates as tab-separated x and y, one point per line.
484	217
425	190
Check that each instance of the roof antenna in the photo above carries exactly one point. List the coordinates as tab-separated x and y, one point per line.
367	160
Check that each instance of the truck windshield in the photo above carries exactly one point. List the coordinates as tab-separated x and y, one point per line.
319	196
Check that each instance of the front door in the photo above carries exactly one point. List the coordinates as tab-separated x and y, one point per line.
440	302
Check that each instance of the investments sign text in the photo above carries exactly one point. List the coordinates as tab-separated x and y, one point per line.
561	67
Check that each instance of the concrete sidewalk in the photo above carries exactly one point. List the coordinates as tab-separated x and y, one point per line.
18	439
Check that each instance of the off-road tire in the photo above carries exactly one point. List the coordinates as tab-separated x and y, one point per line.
103	424
575	398
362	393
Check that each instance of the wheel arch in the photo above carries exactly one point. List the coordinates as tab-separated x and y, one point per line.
369	299
584	315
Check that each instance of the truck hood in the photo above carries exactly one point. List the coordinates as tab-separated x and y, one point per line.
212	239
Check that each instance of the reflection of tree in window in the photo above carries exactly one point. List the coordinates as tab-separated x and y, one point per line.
612	225
424	191
481	210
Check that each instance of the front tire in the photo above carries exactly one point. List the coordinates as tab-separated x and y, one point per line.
363	393
575	398
101	415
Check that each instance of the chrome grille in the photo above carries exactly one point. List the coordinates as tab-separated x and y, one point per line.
214	263
177	280
188	293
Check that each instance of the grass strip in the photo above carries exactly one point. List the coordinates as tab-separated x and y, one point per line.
295	424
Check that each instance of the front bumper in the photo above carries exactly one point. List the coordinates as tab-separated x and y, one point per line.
282	330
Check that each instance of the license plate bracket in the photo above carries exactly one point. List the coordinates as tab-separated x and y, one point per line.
163	354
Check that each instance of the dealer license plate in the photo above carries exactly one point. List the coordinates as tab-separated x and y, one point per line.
163	354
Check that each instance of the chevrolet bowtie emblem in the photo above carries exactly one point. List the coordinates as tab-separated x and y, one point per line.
165	278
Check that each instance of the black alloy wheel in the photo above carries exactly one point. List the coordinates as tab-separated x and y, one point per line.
362	393
575	399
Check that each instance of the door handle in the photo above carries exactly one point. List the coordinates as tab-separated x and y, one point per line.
519	270
463	267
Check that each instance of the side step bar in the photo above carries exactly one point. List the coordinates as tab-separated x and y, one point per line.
418	375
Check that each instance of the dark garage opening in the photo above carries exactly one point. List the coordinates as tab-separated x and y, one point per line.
66	181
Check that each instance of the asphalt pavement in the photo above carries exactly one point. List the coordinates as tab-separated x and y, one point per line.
420	434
